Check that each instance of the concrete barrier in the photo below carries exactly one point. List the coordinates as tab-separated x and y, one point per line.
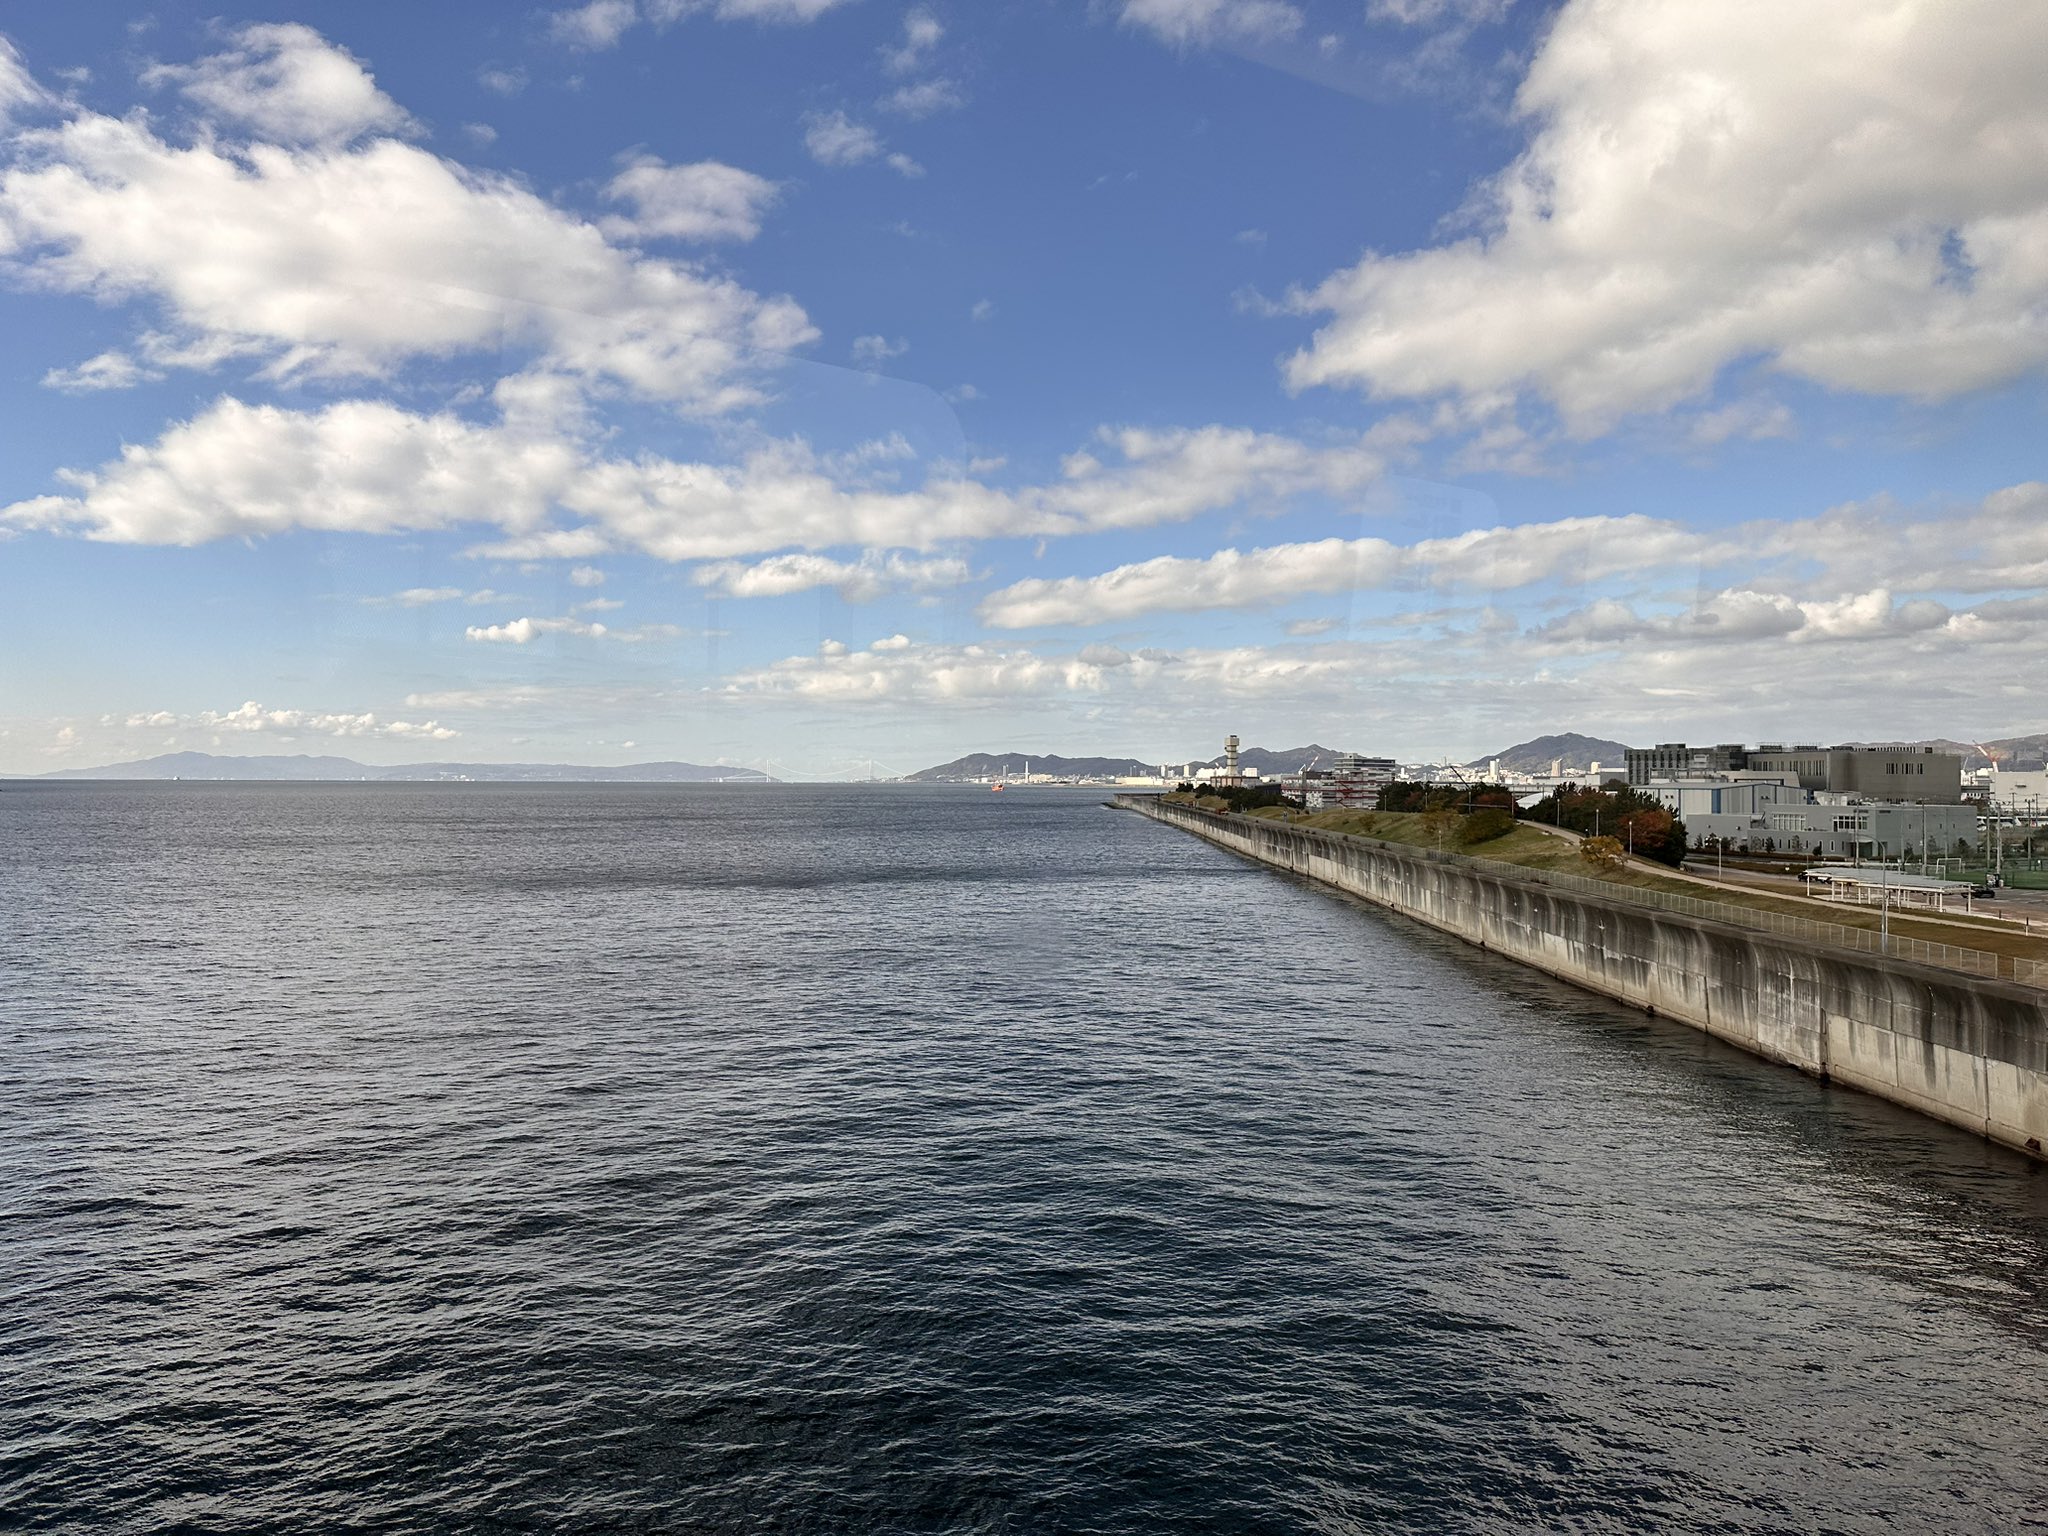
1968	1050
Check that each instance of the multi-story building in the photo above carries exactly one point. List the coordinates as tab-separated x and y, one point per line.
1913	774
1357	780
1675	760
1760	813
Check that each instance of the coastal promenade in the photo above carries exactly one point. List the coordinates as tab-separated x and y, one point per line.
1970	1049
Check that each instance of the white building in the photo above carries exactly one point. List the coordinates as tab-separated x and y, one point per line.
2019	791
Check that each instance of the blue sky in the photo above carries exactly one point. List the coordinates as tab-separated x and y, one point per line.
800	382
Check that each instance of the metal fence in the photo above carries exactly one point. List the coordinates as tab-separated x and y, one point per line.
1868	941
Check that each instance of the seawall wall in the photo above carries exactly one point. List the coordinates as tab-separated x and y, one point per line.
1971	1051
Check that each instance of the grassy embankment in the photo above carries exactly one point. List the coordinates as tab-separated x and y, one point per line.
1540	851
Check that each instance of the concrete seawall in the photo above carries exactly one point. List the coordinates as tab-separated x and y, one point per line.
1970	1051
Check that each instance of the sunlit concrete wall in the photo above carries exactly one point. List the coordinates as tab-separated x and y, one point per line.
1966	1050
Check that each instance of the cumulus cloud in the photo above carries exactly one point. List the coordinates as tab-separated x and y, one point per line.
361	466
108	370
524	631
348	260
898	671
1862	204
238	470
776	12
921	34
705	201
857	581
416	597
1204	23
925	98
599	24
586	576
873	351
18	88
1585	548
288	84
833	138
253	718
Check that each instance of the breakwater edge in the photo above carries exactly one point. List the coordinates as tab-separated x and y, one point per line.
1968	1050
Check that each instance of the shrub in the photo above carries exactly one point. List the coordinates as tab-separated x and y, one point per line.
1603	853
1484	826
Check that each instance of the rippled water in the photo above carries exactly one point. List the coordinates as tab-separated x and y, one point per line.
880	1159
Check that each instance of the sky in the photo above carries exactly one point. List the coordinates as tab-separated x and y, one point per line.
836	386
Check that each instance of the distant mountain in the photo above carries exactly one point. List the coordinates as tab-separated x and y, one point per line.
205	765
1536	756
2023	751
984	765
1286	760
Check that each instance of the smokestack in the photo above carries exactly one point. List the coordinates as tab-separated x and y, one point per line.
1230	756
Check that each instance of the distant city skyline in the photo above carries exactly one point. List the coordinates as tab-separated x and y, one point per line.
826	381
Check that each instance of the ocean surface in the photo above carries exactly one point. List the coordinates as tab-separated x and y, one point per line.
879	1159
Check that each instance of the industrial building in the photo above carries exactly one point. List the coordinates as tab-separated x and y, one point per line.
1911	774
1776	814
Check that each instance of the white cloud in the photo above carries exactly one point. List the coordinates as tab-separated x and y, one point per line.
1584	548
984	309
873	351
238	470
857	581
109	370
417	597
1436	13
348	261
921	34
289	84
504	82
904	166
897	672
1749	419
1193	23
1228	579
524	631
705	201
252	719
599	24
1862	204
774	12
362	466
833	138
17	86
926	98
586	576
482	135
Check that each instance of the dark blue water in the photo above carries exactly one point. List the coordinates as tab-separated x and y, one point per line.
841	1160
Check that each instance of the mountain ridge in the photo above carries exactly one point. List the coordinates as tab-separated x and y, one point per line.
304	768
